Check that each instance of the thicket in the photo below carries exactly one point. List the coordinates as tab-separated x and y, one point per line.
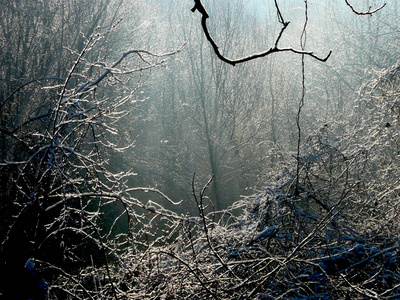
325	225
335	239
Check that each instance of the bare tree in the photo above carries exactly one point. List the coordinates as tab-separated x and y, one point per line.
325	225
58	184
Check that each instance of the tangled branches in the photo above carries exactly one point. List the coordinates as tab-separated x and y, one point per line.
279	244
63	207
274	245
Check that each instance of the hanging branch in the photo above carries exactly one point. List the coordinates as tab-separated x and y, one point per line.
303	39
204	16
368	12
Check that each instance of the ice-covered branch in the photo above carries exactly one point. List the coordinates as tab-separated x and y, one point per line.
144	189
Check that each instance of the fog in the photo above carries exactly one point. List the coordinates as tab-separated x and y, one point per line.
121	130
239	122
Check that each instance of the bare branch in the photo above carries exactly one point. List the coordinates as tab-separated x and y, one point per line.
27	83
204	16
144	189
69	276
191	271
368	12
87	86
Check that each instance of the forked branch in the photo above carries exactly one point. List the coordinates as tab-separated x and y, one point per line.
204	16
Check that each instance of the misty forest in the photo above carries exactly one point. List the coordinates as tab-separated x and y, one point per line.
199	149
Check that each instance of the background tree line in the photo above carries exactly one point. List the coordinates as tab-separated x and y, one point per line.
86	132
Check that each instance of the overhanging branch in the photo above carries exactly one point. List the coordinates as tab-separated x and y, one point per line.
204	16
370	11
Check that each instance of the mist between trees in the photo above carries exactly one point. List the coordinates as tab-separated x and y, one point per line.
199	149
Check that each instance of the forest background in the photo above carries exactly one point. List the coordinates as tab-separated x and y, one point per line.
109	108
